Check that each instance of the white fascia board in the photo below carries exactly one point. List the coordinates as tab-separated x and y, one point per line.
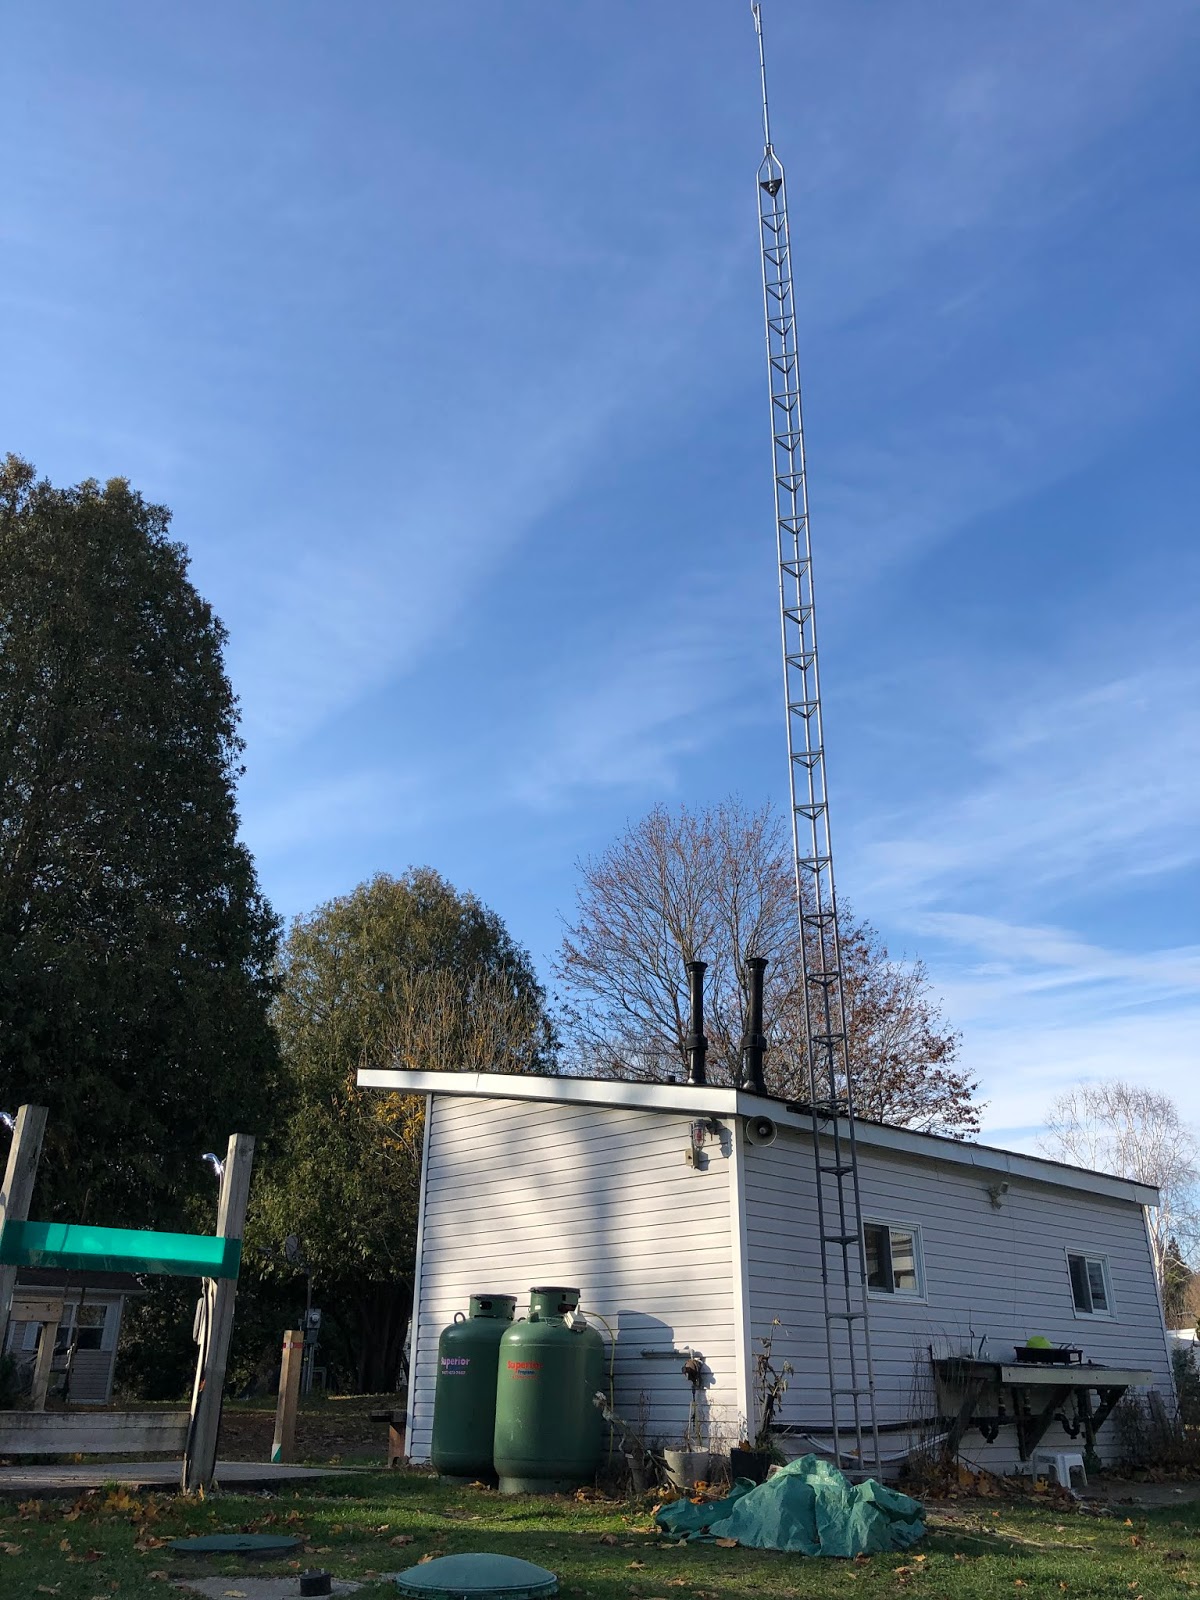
679	1097
689	1099
961	1152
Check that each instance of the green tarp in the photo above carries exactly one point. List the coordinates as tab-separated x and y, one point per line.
808	1507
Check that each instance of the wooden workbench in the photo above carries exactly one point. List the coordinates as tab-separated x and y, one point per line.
1036	1394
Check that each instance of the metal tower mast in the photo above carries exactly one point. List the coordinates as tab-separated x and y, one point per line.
835	1154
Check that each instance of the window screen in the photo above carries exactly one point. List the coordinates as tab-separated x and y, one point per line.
1089	1285
879	1257
893	1259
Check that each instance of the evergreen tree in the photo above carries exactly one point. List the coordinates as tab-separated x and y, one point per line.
136	949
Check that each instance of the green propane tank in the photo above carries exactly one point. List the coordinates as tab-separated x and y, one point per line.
548	1432
464	1398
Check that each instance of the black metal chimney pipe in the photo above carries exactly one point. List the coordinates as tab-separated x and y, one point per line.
754	1042
695	1043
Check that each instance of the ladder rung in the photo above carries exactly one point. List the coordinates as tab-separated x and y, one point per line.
844	1316
838	1171
859	1392
840	1238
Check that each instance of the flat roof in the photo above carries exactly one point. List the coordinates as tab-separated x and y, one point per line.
714	1100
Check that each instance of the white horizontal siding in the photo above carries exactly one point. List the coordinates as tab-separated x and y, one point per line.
600	1198
994	1273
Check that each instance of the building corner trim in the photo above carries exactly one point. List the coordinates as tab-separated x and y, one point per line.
418	1277
741	1275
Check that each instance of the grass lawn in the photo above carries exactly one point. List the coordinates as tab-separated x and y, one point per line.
113	1542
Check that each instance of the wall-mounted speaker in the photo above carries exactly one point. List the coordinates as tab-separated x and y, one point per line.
760	1130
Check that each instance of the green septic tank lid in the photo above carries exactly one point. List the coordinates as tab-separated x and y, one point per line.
241	1544
477	1577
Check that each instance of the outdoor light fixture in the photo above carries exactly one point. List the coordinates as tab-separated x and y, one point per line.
996	1193
698	1135
9	1121
215	1163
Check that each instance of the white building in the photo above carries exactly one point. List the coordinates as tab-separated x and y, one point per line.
531	1180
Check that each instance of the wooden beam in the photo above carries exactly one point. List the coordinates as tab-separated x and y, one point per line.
45	1360
23	1156
1031	1425
200	1460
283	1446
27	1307
35	1433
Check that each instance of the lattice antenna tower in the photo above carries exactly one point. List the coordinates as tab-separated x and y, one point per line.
838	1210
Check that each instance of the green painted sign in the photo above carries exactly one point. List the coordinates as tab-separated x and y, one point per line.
76	1248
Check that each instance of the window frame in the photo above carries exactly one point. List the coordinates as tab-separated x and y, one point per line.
1088	1256
904	1296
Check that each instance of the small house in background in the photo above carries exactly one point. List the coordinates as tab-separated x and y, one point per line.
83	1314
684	1214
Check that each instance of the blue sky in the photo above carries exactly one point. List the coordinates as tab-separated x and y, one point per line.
440	330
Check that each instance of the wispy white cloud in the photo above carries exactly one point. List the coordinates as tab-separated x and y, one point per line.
630	709
361	804
1097	783
365	601
1027	1061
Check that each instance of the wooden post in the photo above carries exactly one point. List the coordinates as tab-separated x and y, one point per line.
45	1359
283	1447
23	1156
200	1459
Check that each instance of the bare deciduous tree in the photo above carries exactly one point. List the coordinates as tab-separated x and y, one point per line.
1135	1133
718	885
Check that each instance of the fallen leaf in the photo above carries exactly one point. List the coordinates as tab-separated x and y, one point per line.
164	1576
725	1544
10	1549
636	1566
47	1588
402	1538
235	1594
608	1538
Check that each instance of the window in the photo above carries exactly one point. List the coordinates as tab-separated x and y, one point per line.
1089	1285
89	1321
92	1322
894	1264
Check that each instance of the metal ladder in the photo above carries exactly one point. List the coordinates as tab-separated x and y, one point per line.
853	1420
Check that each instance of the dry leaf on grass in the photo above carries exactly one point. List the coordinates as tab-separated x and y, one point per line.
10	1549
725	1544
636	1566
402	1538
608	1538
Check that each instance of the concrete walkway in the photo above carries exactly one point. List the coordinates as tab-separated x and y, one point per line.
73	1479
